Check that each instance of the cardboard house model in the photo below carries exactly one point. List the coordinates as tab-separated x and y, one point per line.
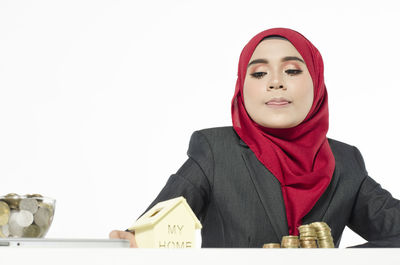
169	224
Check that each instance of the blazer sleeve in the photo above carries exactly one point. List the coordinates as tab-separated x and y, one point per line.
376	214
192	180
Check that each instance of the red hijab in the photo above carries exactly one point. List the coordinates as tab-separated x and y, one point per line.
299	157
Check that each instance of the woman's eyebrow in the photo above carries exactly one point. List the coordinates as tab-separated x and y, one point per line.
284	59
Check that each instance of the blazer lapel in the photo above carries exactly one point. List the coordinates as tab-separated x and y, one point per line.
318	212
268	189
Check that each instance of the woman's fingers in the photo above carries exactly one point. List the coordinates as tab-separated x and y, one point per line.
117	234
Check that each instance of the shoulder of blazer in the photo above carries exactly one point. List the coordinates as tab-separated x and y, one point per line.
220	135
341	149
339	145
348	157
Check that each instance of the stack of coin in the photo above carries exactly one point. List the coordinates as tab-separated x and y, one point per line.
290	242
25	216
324	236
308	236
272	245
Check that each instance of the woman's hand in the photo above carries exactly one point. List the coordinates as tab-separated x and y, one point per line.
117	234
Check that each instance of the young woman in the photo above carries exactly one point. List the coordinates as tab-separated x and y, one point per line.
275	169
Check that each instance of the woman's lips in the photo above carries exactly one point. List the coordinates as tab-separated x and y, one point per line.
278	102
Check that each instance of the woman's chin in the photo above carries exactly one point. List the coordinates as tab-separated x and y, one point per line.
278	125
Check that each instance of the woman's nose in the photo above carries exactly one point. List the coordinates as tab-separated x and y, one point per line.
276	84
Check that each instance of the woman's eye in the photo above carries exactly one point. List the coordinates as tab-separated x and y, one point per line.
258	74
293	72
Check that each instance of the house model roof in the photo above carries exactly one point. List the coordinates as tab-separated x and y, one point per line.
160	210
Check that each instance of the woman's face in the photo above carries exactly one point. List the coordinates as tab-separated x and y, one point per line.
278	90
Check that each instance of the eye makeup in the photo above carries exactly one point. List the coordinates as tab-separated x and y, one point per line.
258	75
259	71
293	71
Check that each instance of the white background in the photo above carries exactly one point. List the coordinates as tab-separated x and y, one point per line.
98	99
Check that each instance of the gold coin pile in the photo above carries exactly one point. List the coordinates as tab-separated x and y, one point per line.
272	245
314	235
324	237
290	242
308	236
25	216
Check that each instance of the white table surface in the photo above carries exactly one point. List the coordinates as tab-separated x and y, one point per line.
111	256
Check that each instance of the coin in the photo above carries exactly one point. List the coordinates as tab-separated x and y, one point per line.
33	195
308	243
323	233
31	231
48	206
39	198
272	245
13	227
308	236
290	242
4	213
324	237
29	204
322	244
24	218
43	216
303	228
320	226
11	195
12	200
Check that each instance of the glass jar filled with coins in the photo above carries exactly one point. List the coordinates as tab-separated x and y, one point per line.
25	215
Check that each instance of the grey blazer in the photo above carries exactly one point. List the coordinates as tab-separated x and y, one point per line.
239	202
